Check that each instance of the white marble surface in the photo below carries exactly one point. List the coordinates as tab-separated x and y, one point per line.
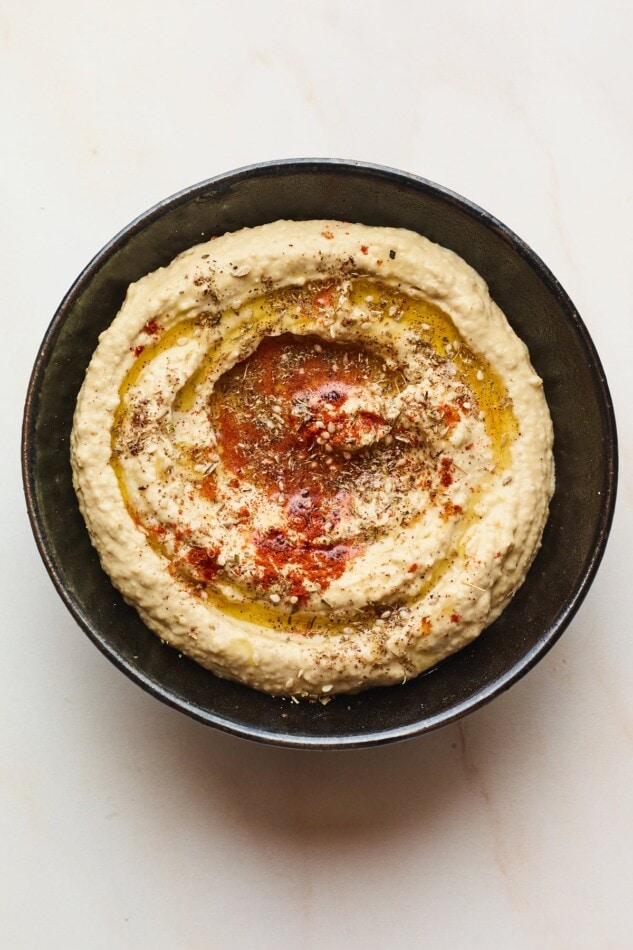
124	824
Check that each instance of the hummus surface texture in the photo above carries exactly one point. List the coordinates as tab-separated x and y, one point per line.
313	455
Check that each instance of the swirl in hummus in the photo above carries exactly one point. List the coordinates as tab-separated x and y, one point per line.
313	455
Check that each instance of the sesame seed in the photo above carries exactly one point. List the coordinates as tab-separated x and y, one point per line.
275	598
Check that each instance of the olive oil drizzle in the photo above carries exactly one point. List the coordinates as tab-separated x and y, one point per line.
428	325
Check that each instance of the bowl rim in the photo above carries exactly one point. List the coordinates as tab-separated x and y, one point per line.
606	410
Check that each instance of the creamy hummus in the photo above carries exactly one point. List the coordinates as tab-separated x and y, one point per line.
313	455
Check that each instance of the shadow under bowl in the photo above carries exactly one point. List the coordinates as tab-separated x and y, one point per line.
539	311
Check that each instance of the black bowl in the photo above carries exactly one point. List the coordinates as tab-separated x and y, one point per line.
540	312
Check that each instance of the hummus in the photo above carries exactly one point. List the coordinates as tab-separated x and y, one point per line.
313	455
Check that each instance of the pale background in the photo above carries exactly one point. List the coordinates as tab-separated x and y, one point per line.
124	824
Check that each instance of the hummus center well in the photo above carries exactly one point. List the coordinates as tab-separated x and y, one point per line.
283	427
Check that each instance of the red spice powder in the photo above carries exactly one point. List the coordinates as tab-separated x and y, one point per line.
269	446
450	414
446	471
209	488
301	560
449	510
324	299
152	328
198	563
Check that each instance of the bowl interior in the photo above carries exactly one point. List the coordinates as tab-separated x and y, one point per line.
541	314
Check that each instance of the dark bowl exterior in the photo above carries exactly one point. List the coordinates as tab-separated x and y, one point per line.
540	312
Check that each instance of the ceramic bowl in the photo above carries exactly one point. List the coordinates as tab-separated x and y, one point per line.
540	312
